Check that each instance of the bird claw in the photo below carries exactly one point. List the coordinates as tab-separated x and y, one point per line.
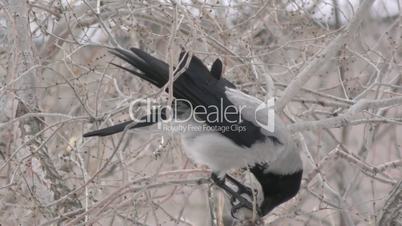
233	200
246	193
240	205
243	202
237	199
241	188
233	212
244	190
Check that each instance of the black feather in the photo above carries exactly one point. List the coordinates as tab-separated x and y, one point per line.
216	69
109	130
144	121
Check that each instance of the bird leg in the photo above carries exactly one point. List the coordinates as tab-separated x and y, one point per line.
243	202
241	188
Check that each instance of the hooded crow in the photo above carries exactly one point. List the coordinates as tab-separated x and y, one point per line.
232	129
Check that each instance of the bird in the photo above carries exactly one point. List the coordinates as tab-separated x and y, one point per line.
232	134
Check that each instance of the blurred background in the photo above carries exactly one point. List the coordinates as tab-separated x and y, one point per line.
340	58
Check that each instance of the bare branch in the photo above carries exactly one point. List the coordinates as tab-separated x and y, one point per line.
320	59
392	211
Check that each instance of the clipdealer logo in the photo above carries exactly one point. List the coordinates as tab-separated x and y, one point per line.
182	116
264	115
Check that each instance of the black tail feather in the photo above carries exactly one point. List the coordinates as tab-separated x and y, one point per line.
153	70
109	130
145	121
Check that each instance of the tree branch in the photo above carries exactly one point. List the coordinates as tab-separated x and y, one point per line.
392	211
323	57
